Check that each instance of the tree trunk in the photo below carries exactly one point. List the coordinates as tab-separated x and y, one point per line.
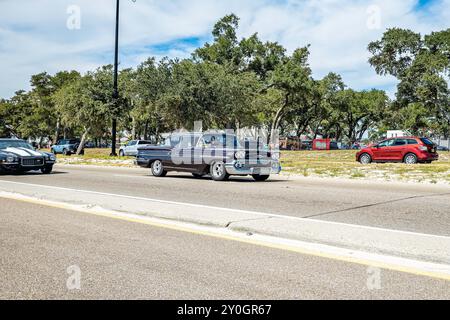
146	130
133	129
58	128
83	141
277	119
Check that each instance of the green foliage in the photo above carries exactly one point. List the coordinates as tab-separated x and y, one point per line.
422	66
233	83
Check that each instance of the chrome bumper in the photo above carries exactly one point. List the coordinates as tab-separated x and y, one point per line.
267	168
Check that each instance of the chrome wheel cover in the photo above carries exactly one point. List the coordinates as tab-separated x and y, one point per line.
365	159
410	159
157	166
218	170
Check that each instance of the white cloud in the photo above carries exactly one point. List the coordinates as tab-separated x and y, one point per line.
34	36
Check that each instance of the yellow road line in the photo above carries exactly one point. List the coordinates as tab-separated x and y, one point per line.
284	247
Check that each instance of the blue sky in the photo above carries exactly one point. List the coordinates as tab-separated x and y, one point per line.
34	36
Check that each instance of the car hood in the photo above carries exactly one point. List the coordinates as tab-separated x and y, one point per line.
22	152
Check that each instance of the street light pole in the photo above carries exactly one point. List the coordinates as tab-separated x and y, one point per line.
115	85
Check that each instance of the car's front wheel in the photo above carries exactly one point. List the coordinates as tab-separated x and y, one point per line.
158	169
365	158
260	178
411	158
47	170
218	171
121	153
66	152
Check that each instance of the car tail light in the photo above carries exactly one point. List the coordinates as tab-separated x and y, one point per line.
423	148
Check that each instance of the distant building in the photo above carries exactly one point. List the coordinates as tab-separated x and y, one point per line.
396	133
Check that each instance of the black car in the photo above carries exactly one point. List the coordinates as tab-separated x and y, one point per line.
216	154
20	156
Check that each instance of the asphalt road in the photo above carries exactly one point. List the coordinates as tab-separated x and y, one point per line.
120	259
410	207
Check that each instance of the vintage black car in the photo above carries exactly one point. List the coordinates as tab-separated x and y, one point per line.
217	154
20	156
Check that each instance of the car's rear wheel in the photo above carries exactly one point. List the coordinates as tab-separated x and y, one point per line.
260	178
411	158
47	170
218	171
365	158
66	152
158	169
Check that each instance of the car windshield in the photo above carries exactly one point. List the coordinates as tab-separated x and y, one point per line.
15	144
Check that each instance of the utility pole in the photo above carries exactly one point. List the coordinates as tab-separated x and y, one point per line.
115	86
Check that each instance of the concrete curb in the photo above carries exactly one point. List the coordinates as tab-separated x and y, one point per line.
417	246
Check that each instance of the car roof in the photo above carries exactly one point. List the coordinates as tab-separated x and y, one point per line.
406	137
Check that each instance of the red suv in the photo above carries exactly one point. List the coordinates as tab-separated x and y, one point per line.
409	150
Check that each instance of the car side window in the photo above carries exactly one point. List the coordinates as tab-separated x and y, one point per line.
400	142
412	141
213	141
387	143
132	143
206	141
188	142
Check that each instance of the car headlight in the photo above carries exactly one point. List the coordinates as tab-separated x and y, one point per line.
276	156
52	157
240	155
10	158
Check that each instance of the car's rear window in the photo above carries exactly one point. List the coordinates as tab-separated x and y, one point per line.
427	141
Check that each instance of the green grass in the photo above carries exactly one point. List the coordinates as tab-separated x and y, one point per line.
341	163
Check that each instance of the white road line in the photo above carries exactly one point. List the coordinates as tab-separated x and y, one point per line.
415	267
394	231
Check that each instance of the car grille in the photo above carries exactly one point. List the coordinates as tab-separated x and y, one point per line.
32	162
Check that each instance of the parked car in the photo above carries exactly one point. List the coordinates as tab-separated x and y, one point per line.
216	154
442	148
20	156
131	148
410	150
66	147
